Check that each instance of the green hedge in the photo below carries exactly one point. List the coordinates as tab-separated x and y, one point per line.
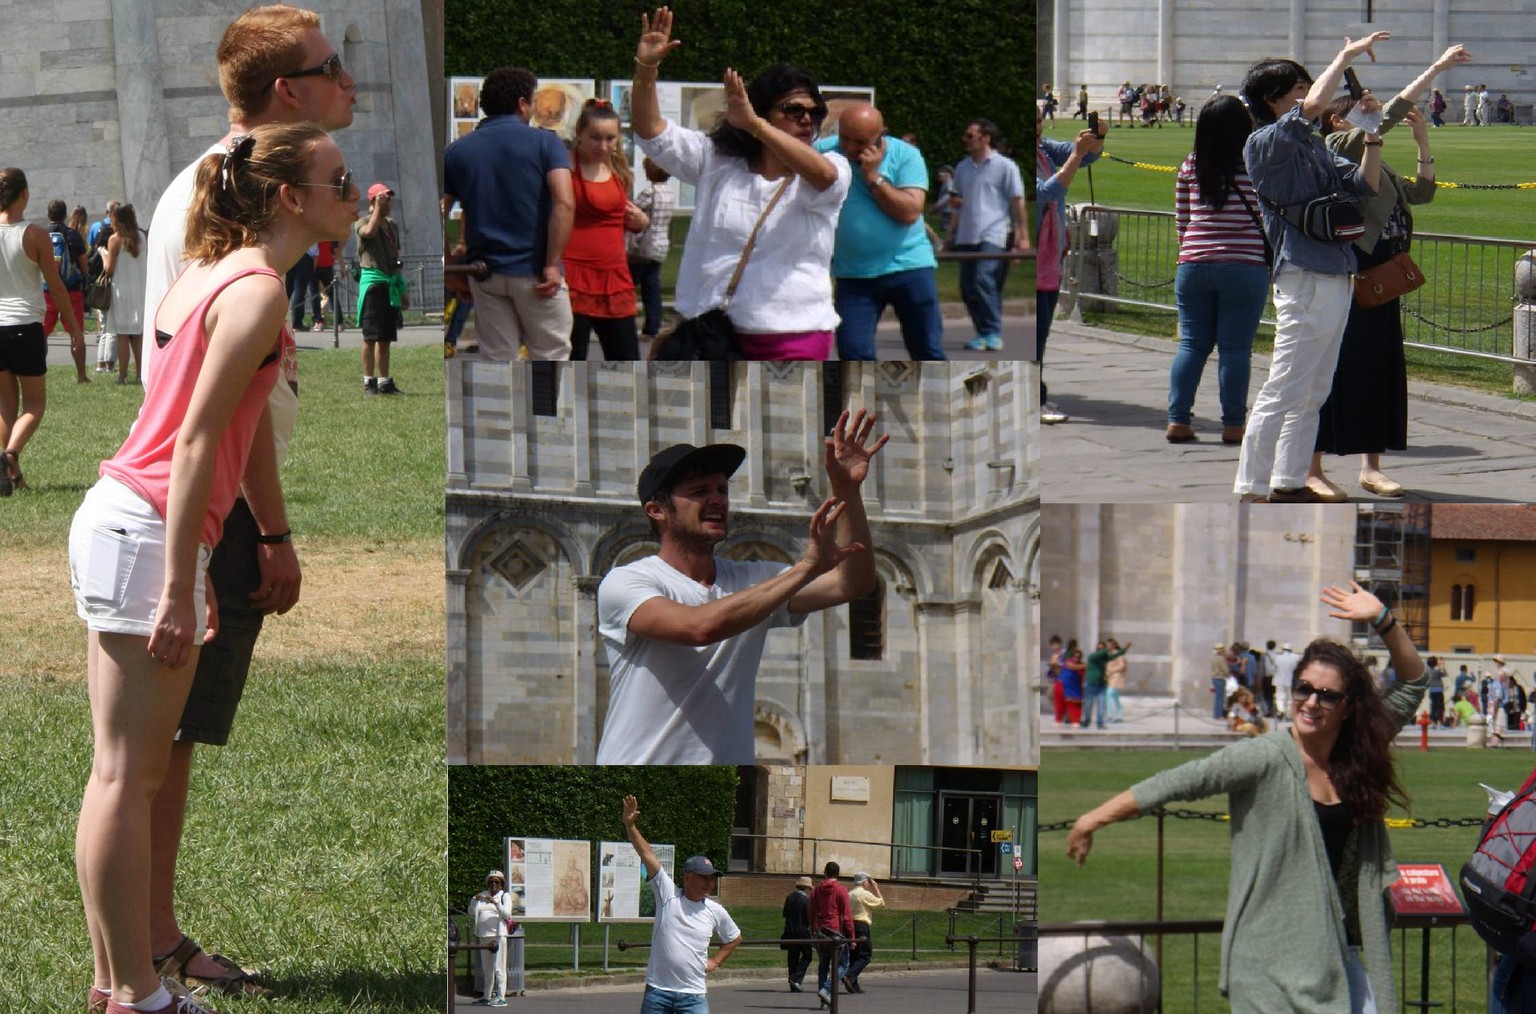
933	67
690	807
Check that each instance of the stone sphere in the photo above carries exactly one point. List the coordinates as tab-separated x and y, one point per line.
1525	276
1098	974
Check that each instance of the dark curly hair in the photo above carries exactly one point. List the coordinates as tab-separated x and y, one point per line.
1362	766
766	89
504	87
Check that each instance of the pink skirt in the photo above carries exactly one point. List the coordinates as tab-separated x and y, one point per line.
786	345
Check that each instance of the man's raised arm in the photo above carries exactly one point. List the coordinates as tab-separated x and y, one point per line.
642	847
847	463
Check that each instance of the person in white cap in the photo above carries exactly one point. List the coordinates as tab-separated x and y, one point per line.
685	922
382	289
1285	671
489	910
863	897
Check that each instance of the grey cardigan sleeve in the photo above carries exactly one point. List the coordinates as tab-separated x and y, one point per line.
1227	770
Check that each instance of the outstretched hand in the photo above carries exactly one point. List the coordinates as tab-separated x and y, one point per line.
631	811
848	451
822	552
1454	55
656	36
738	107
1079	842
1367	45
1356	604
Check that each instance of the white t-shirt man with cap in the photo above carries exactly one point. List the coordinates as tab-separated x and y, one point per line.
1285	671
684	629
685	922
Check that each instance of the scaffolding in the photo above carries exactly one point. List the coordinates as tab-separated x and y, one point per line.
1392	562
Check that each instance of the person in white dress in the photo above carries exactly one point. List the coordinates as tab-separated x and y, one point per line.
123	261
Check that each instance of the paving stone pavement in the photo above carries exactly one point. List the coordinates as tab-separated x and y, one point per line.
1462	445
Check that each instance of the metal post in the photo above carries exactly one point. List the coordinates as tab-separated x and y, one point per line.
970	999
575	946
1160	816
605	947
914	936
1176	710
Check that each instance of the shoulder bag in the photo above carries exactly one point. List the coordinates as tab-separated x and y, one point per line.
1387	281
711	335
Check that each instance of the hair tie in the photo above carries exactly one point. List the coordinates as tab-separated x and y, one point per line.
240	145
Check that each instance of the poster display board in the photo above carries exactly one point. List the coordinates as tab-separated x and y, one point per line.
550	879
623	890
556	104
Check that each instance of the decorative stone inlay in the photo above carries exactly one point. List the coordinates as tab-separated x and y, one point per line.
895	373
517	565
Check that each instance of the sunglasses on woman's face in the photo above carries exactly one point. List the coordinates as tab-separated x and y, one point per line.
799	111
342	186
1301	690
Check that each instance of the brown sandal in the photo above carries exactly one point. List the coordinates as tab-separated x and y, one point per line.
235	981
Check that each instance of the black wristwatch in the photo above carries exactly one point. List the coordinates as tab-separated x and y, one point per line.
275	540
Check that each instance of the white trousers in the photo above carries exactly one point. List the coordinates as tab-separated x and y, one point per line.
1311	310
493	968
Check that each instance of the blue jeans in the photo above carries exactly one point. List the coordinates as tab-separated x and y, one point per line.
301	283
981	286
1045	310
461	308
647	276
1114	711
1218	698
1093	706
915	297
826	950
1513	989
1219	307
664	1001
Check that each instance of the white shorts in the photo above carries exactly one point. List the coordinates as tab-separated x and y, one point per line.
117	562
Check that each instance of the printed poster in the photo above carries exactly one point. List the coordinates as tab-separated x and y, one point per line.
549	879
624	891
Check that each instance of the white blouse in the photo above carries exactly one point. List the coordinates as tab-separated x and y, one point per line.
787	284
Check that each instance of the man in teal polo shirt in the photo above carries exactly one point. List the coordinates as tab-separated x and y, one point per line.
882	256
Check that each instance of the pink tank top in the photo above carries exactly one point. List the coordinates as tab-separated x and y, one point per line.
143	463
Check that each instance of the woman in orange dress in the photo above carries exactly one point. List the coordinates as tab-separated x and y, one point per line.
596	268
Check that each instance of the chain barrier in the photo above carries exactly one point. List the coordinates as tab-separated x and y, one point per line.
1439	184
1410	311
1143	285
1400	823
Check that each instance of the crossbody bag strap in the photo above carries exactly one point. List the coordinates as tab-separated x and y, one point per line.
1269	251
730	290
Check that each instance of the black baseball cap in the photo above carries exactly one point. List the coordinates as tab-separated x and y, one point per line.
683	459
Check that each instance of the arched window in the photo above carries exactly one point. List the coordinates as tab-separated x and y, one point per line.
1463	599
866	625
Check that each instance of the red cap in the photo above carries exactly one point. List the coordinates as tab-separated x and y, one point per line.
379	188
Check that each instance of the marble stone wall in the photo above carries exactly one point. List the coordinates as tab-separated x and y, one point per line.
109	99
540	507
1176	579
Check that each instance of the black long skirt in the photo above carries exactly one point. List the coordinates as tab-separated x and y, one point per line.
1367	408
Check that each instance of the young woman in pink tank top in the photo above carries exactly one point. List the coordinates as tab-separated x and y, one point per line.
140	542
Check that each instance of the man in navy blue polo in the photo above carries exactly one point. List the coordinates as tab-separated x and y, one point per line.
882	256
514	183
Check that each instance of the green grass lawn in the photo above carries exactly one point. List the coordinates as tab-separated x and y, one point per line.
549	947
1462	295
314	846
1118	882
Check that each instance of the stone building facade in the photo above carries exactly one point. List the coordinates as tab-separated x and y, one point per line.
542	465
1177	579
110	99
1195	45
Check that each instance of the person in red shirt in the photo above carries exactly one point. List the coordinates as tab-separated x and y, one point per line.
831	921
324	278
596	266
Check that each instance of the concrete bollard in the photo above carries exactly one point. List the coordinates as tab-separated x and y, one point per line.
1525	322
1097	974
1477	732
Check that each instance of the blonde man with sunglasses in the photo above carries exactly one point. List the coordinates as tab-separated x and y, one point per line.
275	66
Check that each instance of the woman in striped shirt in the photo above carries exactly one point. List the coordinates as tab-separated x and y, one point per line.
1223	277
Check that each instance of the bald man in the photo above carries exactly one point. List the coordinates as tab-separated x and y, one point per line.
883	257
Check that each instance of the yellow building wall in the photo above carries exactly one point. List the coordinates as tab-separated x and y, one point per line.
853	820
1504	607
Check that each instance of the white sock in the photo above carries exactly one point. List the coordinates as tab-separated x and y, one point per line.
159	998
386	380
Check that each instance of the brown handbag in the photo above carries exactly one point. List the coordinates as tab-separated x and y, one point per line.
1387	281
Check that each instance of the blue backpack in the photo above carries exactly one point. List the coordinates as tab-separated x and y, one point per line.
69	267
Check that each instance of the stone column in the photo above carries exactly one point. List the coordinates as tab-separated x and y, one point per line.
585	684
457	662
1201	599
421	227
143	137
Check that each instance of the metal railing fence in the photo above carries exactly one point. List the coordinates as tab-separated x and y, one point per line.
1129	257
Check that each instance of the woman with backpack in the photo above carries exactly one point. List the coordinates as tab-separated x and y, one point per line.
121	262
1308	194
26	262
1310	854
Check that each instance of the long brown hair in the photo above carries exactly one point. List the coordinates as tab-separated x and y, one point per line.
125	226
235	194
1362	766
600	109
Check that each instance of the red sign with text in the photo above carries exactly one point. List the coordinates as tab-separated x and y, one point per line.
1424	889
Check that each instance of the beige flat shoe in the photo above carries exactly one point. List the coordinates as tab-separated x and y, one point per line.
1327	492
1381	487
1180	433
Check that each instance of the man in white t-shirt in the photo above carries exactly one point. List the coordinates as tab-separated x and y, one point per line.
685	922
684	629
275	66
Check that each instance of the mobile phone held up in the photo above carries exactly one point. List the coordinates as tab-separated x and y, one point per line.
1093	125
1352	82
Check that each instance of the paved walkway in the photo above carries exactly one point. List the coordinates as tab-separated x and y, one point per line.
997	992
1462	445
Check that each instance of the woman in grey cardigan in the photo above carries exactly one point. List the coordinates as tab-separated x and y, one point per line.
1308	806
